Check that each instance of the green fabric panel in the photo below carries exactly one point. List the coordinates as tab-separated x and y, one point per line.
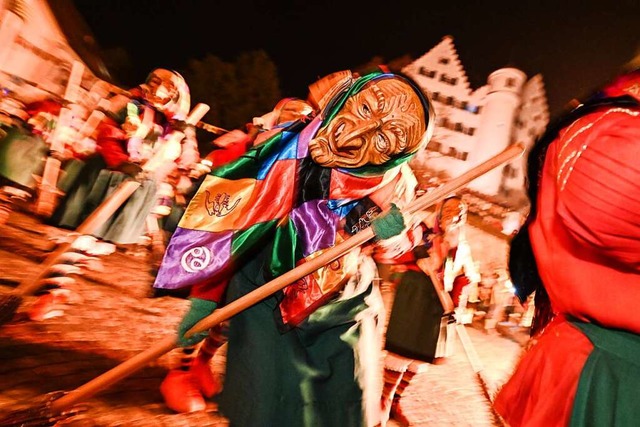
609	386
243	239
198	310
127	223
285	249
69	173
21	157
249	164
76	205
389	224
301	378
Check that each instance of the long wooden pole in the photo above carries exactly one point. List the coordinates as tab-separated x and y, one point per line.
137	362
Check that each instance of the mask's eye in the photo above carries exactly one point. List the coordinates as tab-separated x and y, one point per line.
154	81
366	111
381	142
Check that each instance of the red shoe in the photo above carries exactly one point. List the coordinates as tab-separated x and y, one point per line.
181	393
208	383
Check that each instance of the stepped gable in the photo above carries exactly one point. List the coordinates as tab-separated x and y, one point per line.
443	59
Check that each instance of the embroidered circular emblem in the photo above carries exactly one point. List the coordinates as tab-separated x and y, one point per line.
196	259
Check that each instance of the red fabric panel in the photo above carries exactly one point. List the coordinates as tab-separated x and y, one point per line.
111	142
543	387
583	232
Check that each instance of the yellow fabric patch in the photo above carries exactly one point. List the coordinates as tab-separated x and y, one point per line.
218	204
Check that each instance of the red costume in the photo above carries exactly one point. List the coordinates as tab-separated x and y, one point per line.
584	233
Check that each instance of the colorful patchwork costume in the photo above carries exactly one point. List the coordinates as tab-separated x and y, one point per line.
293	358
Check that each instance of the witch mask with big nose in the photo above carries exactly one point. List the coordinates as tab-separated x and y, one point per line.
383	120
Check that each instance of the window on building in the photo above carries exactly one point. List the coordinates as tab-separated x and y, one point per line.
461	155
449	100
434	145
509	171
457	127
427	73
472	108
443	60
511	82
471	131
435	96
446	79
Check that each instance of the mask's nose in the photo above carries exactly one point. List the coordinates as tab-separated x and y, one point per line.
355	138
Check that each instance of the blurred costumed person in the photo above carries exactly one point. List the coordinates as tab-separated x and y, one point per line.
299	357
460	275
580	252
418	329
176	188
23	146
135	128
28	133
134	131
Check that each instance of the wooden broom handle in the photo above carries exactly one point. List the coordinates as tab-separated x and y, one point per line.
342	248
88	226
137	362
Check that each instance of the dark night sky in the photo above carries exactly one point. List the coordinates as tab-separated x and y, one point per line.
576	46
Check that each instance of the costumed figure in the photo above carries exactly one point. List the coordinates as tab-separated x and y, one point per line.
297	358
134	131
21	155
579	251
460	276
173	189
419	328
23	145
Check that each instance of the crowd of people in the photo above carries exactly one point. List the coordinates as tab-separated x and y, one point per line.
308	175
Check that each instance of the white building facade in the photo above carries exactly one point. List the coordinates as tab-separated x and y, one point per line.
474	125
36	58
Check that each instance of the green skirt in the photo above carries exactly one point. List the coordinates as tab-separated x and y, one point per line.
127	224
74	206
22	157
304	377
608	389
414	323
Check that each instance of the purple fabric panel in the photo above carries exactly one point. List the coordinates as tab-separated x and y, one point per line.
316	225
192	257
305	136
